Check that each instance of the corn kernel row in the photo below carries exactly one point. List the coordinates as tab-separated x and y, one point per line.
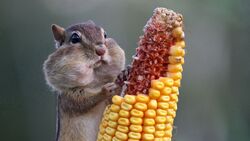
176	59
141	117
149	116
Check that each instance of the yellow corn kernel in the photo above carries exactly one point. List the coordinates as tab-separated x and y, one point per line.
173	105
176	51
160	126
174	75
159	133
166	91
117	100
115	139
148	121
175	89
174	97
175	68
123	129
99	137
149	129
113	116
134	135
169	126
178	33
108	110
157	84
110	131
140	106
123	121
104	123
136	113
161	112
107	137
136	120
177	83
121	136
135	128
160	119
164	98
126	106
142	98
153	93
102	130
163	105
123	113
158	139
130	99
181	43
133	140
168	133
170	120
167	81
148	137
112	124
171	112
152	104
114	108
176	60
166	139
106	117
150	113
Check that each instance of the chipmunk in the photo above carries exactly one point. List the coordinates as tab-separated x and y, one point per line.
82	70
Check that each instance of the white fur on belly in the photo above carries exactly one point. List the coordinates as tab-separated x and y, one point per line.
84	127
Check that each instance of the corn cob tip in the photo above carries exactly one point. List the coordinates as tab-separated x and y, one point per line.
160	47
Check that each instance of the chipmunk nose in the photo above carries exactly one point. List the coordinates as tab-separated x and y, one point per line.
100	49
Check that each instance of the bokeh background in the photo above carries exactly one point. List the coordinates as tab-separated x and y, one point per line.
214	101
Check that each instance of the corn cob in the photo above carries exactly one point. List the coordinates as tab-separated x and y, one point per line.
148	109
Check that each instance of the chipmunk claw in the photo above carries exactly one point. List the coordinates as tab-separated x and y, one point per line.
110	88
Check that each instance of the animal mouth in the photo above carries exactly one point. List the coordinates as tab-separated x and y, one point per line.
100	62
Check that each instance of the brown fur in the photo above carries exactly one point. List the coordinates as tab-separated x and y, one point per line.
83	79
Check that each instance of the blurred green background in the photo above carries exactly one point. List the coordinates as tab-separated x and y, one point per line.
214	102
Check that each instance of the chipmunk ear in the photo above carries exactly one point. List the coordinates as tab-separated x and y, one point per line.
90	22
58	32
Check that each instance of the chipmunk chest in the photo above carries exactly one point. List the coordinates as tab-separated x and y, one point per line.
92	118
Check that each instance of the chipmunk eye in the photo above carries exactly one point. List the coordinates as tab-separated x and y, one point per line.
75	38
105	35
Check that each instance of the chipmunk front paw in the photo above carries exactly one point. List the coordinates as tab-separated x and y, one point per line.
110	89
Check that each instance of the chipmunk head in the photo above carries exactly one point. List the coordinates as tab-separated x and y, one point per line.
85	35
79	48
